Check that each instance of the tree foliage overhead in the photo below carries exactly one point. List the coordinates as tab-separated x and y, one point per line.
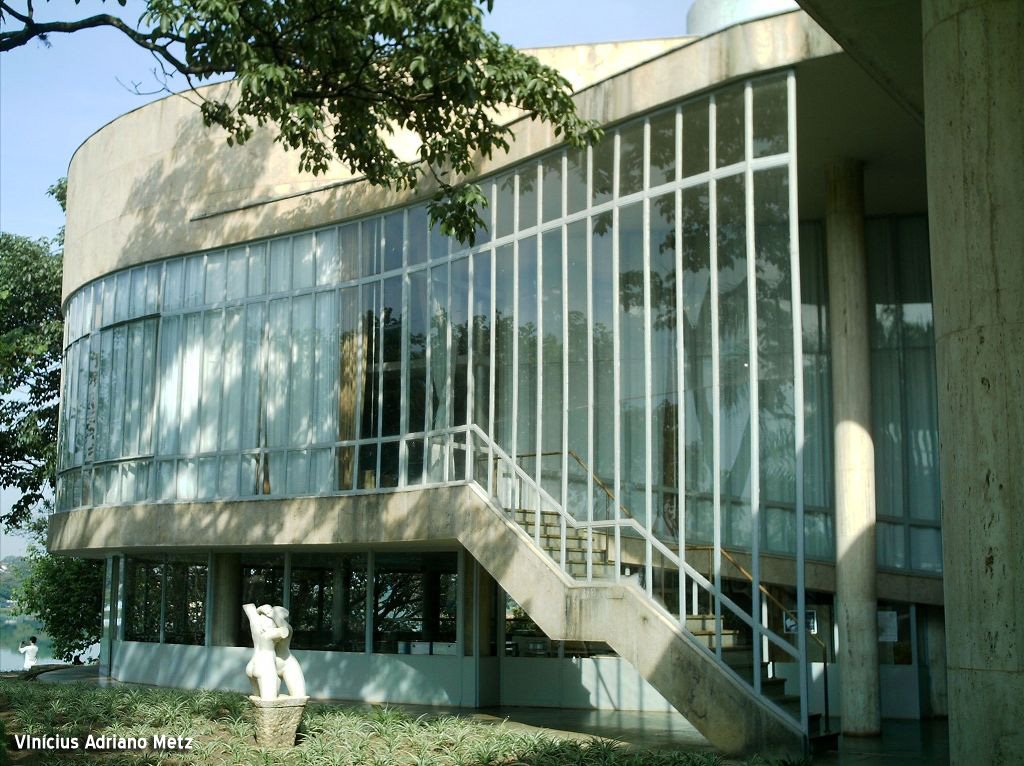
31	335
336	77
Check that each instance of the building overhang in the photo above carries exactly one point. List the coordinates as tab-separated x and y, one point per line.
884	37
431	518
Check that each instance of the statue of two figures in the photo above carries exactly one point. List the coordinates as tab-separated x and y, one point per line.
272	660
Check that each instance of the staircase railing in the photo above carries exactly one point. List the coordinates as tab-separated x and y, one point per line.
745	573
566	539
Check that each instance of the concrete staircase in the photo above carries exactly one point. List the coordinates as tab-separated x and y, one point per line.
577	542
725	710
739	655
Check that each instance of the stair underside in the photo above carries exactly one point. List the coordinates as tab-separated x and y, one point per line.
721	707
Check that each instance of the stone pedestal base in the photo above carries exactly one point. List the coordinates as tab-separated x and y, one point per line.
278	720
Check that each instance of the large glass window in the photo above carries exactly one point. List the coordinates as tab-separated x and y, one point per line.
903	395
185	601
144	578
415	603
622	327
165	599
352	357
328	602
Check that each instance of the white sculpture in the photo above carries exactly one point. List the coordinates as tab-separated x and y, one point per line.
272	659
277	717
262	668
288	669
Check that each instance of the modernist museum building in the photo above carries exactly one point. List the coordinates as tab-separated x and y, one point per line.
666	436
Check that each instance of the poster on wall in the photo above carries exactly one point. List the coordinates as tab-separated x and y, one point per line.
789	622
888	627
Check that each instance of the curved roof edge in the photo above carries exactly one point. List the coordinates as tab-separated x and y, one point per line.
155	182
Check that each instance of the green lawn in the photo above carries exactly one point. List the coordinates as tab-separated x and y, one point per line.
221	731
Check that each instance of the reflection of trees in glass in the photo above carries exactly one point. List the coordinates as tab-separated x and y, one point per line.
143	587
368	427
175	588
391	336
262	583
776	416
504	330
904	393
185	608
729	127
602	169
414	599
328	602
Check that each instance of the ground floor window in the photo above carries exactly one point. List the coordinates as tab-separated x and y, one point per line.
328	602
415	597
165	599
262	582
410	599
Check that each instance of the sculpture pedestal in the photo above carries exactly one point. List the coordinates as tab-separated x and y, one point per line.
277	720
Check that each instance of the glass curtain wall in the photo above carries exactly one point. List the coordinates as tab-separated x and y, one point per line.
622	329
903	395
337	360
603	337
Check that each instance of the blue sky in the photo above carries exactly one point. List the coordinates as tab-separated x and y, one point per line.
52	99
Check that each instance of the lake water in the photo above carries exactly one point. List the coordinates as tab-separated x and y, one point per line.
15	629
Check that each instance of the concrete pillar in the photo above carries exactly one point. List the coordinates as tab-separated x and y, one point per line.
974	132
111	614
227	598
849	317
481	629
937	703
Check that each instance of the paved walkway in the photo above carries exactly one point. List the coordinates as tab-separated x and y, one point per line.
903	743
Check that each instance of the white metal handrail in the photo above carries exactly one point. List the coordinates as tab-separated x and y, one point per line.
546	502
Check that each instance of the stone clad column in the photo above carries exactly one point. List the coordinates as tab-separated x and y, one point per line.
974	132
849	319
112	614
227	598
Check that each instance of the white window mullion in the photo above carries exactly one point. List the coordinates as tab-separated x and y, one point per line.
588	450
491	477
564	499
681	506
449	367
752	372
470	414
798	392
616	356
404	372
716	425
648	431
513	446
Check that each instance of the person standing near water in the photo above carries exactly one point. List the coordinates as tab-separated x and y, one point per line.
30	650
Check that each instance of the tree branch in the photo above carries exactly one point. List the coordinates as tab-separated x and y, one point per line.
20	17
155	41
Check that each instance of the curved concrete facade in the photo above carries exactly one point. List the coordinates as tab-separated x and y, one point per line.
156	183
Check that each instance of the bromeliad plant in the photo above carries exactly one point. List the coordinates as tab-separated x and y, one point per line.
331	735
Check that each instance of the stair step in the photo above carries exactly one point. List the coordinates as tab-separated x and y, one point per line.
598	571
775	689
707	637
552	539
813	722
825	742
741	656
695	622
